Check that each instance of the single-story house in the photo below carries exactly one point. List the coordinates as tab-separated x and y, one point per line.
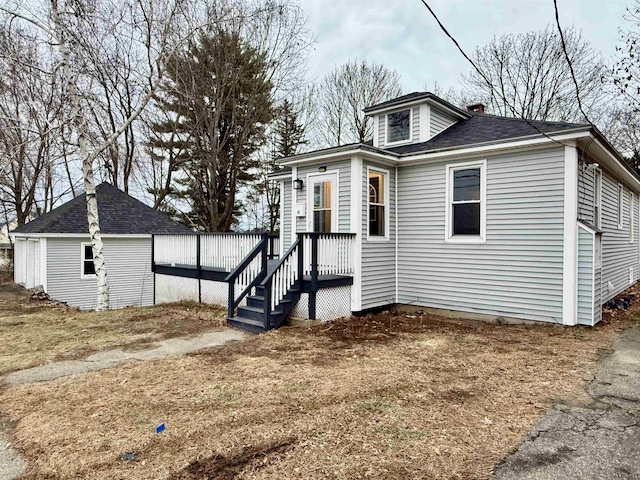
54	250
472	214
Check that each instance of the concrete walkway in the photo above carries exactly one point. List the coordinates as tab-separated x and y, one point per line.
599	440
12	465
112	358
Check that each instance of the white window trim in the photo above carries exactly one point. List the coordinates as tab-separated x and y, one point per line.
335	198
620	211
632	202
82	260
387	143
448	224
597	198
387	205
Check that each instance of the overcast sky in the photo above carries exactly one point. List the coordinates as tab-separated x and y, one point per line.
401	34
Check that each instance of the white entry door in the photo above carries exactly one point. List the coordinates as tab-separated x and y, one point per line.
322	213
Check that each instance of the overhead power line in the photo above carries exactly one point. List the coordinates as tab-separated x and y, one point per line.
486	79
569	62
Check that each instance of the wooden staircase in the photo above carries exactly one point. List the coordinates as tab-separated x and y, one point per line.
253	318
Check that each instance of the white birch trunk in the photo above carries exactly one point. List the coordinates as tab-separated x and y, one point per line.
80	124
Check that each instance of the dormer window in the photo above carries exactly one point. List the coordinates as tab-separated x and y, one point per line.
399	126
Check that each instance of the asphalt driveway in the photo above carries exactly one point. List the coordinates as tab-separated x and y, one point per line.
597	440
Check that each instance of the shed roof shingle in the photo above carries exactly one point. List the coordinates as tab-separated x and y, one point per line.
120	214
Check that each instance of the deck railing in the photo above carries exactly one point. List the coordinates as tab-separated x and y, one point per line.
225	251
284	277
329	253
174	250
212	251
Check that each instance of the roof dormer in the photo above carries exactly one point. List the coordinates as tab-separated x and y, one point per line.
412	118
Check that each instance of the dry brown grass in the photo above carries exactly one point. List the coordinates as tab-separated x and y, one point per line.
383	396
33	332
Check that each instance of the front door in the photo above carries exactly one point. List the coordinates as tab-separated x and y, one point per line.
322	214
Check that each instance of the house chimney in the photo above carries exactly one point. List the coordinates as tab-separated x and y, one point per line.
476	108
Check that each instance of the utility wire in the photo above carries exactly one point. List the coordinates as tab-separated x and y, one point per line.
570	63
485	78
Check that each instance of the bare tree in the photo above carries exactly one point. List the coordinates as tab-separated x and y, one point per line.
532	79
68	25
344	93
626	72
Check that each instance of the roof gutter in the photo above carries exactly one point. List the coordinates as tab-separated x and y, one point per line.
339	153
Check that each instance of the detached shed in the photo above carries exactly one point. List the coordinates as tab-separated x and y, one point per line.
54	250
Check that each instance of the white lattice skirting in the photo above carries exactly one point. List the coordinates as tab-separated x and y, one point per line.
175	289
331	303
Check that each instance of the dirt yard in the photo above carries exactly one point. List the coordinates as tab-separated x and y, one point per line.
385	396
33	332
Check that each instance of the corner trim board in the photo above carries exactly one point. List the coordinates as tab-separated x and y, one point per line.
570	238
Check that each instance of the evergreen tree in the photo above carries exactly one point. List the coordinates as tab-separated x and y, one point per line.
217	103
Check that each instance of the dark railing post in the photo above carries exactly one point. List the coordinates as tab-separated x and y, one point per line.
314	275
300	259
153	265
198	268
232	298
267	304
265	253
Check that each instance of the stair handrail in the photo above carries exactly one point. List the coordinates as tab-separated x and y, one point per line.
267	283
260	248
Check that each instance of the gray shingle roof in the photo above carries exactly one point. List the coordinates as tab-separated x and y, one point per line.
120	214
484	129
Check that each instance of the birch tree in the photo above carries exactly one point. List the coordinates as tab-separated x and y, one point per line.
67	25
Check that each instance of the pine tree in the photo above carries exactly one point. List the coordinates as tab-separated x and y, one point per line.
217	103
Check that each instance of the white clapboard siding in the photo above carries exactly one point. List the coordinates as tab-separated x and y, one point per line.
586	241
344	192
378	257
618	254
518	271
128	263
586	210
439	121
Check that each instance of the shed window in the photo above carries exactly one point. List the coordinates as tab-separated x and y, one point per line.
398	126
620	206
88	268
377	204
466	202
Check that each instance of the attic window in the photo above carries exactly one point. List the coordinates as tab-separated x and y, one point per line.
398	126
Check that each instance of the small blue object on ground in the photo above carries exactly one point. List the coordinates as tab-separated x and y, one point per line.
160	428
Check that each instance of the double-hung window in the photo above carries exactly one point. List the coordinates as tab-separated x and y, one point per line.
399	126
378	210
631	210
597	199
620	206
88	268
466	205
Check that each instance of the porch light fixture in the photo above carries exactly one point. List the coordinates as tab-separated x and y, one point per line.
297	184
322	169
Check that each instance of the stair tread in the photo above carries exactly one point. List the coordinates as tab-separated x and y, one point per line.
251	309
249	321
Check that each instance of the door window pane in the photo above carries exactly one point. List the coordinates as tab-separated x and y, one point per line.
322	221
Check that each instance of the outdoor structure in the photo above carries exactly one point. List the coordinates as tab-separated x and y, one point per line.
447	210
54	250
6	247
